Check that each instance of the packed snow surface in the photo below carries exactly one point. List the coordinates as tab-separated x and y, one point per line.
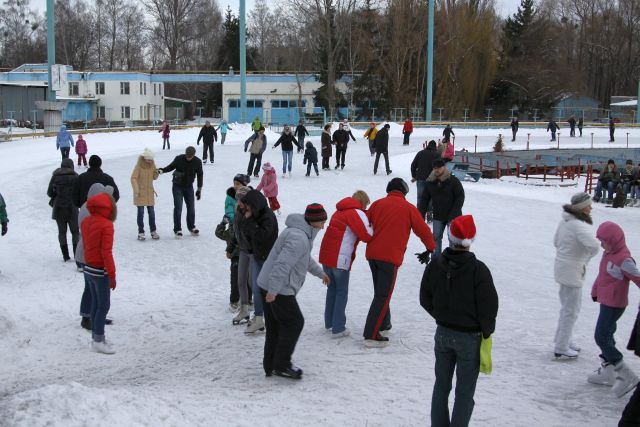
179	360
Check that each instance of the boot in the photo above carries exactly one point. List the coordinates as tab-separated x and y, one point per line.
242	316
257	324
86	323
65	252
626	379
604	375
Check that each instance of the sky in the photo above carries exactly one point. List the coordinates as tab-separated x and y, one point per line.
503	7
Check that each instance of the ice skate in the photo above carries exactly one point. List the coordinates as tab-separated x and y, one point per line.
567	354
102	347
178	234
257	324
604	375
626	380
141	236
194	232
242	316
378	342
293	373
154	235
342	334
233	307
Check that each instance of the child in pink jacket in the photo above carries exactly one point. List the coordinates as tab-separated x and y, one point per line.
611	290
81	150
269	186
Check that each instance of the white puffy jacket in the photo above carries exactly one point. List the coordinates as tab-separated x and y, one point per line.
575	245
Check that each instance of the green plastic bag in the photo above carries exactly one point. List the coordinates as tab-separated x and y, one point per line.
485	356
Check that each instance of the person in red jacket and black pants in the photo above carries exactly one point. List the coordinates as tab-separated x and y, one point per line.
392	219
100	268
407	130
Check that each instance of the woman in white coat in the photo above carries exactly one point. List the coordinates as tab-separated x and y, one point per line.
575	245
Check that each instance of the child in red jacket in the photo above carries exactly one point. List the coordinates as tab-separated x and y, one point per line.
81	150
269	186
100	268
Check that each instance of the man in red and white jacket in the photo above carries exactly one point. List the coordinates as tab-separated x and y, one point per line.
347	227
392	219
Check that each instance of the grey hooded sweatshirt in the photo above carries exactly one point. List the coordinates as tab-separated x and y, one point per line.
286	267
96	188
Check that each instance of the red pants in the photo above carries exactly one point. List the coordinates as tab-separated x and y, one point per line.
83	158
273	203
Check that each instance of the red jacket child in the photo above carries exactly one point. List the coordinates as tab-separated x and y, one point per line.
97	235
81	145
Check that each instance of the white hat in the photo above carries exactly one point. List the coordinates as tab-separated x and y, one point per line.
148	154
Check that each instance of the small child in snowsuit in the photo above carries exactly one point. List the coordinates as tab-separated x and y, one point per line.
611	290
310	158
269	186
81	150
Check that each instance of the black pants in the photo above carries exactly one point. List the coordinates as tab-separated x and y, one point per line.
340	153
386	161
315	167
165	141
234	296
207	146
513	132
325	163
64	152
70	220
405	139
572	131
580	129
611	132
631	413
284	322
384	279
257	160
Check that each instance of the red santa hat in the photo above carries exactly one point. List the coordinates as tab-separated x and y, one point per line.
462	231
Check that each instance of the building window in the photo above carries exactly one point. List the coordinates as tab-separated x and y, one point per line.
125	112
234	103
100	111
251	103
145	88
99	88
74	89
154	89
141	112
160	89
124	88
140	88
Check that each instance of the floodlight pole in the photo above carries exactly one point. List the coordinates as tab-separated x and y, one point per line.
638	105
51	47
243	65
429	88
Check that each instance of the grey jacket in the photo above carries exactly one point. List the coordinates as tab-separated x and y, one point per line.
286	267
96	188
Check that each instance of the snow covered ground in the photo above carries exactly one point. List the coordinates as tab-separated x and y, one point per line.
179	360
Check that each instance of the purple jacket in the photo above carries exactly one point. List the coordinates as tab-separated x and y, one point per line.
268	183
81	146
617	268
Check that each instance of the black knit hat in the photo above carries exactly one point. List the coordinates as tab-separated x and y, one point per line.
242	179
398	184
315	212
95	161
437	163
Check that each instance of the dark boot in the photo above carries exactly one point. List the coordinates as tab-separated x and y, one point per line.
65	252
86	323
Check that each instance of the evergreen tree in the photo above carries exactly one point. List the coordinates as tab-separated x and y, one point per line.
229	50
516	27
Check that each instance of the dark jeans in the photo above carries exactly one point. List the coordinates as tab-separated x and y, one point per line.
315	167
340	154
284	323
384	279
234	296
85	301
386	161
186	193
420	185
459	352
257	160
605	328
82	158
152	218
572	131
610	187
64	152
553	135
70	221
580	129
207	147
256	266
405	140
631	413
611	132
513	135
100	304
438	233
325	163
165	141
336	301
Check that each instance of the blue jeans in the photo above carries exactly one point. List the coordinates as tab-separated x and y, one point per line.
85	302
152	218
100	303
438	232
287	159
610	187
336	302
186	193
605	328
256	266
420	184
459	352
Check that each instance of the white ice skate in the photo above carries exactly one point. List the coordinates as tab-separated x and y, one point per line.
567	354
242	316
626	380
141	236
342	334
102	347
604	375
256	324
154	235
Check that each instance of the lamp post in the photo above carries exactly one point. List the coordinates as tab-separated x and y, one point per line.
429	85
243	65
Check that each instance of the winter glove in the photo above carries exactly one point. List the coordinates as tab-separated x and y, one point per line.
112	283
424	257
160	171
299	150
593	297
4	228
225	220
198	194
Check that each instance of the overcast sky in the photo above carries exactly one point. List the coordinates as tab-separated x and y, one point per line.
504	7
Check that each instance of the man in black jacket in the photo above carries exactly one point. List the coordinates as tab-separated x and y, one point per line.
612	129
381	144
447	195
553	127
422	166
260	228
301	132
208	135
186	168
447	132
93	175
457	291
515	125
340	139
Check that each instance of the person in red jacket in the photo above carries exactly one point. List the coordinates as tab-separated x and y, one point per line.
392	219
100	268
81	150
407	129
347	227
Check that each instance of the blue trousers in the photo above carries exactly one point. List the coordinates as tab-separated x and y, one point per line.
152	218
100	304
610	186
459	352
256	266
605	328
438	232
336	302
179	193
287	160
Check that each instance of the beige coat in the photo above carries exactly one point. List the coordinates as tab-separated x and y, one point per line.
142	183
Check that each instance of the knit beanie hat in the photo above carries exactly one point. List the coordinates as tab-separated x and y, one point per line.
580	201
95	161
437	163
242	179
462	231
241	192
148	154
386	126
315	212
398	184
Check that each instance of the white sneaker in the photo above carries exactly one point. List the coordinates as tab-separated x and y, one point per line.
568	353
604	375
626	380
342	334
154	235
102	347
141	236
257	324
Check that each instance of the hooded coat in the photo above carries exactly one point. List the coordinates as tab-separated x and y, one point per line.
447	195
83	213
64	138
261	229
575	245
381	142
61	191
81	146
422	164
268	181
86	180
97	234
325	143
286	267
310	154
142	182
